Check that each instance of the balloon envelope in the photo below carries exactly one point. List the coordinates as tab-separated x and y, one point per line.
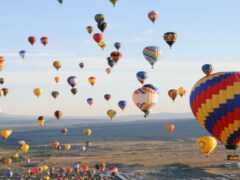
152	54
206	144
122	104
22	53
141	76
207	69
153	16
72	81
215	102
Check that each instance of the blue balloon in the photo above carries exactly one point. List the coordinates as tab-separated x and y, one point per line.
207	69
9	173
22	53
122	104
141	76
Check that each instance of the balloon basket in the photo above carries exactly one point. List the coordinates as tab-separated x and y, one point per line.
233	157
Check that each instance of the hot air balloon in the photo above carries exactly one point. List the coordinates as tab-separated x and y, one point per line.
99	18
207	69
72	81
38	92
64	131
206	144
25	148
2	60
5	91
89	29
153	16
170	128
32	40
113	2
27	161
41	120
173	94
15	156
102	26
69	170
84	148
107	97
113	170
67	147
44	40
111	62
57	65
8	161
85	168
57	79
58	114
111	113
22	53
81	65
55	94
100	167
87	132
102	45
21	142
1	80
1	93
145	98
92	80
117	45
152	54
60	1
181	91
74	91
141	76
98	37
116	55
90	101
9	173
5	134
170	38
55	144
122	104
215	102
108	70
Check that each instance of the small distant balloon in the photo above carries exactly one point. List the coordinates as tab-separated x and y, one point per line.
22	53
72	81
153	16
173	94
122	104
44	40
32	40
207	69
117	45
142	76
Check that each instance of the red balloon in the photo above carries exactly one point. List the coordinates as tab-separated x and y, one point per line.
98	37
44	40
32	40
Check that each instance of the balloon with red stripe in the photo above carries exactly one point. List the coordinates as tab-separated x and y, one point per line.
215	102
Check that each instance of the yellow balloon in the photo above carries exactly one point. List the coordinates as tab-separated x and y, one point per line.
15	155
1	93
102	45
45	168
111	113
181	91
46	177
6	133
41	122
92	80
68	147
206	144
87	132
25	148
38	91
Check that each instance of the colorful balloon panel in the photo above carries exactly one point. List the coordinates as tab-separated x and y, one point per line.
152	54
215	102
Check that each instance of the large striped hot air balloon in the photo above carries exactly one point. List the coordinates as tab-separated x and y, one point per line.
215	102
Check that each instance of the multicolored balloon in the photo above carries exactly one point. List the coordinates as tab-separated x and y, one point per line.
152	54
145	98
153	16
142	76
215	102
181	91
44	40
170	38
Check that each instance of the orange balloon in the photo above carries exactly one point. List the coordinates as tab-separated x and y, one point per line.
170	128
2	59
57	79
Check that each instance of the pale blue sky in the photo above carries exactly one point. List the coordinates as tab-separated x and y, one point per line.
207	31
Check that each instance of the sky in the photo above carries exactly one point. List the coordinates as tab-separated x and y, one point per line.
207	33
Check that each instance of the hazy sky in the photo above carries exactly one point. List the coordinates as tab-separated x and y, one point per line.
208	32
